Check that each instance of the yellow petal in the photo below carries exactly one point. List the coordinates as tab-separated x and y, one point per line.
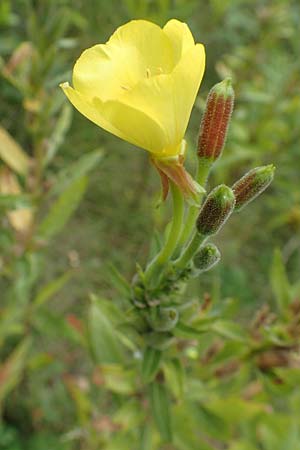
153	46
180	37
170	98
188	75
137	127
85	106
141	84
120	119
107	70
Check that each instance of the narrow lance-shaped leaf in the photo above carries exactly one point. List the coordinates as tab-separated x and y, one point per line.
61	127
150	364
50	289
118	281
105	345
13	202
12	153
279	282
229	330
11	369
174	373
62	209
78	169
146	438
160	406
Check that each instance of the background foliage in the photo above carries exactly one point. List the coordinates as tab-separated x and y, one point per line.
58	387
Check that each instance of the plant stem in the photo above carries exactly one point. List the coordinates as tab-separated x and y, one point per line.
201	178
189	252
156	265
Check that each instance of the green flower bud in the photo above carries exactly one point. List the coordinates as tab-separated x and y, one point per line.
164	319
207	257
252	184
216	209
215	121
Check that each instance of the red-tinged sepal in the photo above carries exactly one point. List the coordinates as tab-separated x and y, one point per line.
165	187
173	170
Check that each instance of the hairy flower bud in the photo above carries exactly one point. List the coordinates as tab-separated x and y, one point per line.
252	184
215	121
207	257
216	209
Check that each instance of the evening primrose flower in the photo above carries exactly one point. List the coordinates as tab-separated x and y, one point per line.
141	86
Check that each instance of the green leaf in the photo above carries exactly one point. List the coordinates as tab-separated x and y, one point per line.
239	445
187	432
129	415
82	401
279	282
56	326
12	202
160	406
295	290
77	170
185	331
146	438
150	364
105	345
51	289
155	245
61	127
229	330
117	379
175	376
11	369
62	209
118	281
212	423
12	154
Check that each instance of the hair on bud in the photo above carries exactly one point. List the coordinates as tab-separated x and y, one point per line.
216	209
215	121
252	185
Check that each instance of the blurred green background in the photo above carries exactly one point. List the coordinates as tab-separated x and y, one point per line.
256	42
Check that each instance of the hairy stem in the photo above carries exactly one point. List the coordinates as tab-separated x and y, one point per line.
190	251
155	267
201	178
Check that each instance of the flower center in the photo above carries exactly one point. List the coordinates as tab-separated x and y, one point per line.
150	72
153	71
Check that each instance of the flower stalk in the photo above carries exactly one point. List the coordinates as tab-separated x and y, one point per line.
155	267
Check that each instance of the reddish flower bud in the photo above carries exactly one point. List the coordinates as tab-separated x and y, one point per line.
215	121
252	184
216	209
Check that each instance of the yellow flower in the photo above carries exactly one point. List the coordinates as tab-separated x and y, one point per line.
141	85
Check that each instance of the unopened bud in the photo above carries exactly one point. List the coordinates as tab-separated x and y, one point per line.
216	209
207	257
215	121
252	184
164	319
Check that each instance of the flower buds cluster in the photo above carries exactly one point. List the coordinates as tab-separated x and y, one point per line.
252	184
216	209
207	257
215	121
